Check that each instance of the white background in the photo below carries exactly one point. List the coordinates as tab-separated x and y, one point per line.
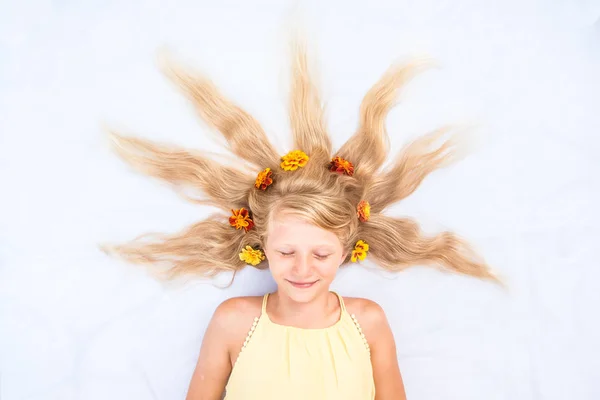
75	324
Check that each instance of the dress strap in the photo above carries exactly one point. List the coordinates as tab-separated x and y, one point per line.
264	303
362	335
342	305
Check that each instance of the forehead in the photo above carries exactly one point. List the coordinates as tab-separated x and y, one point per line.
291	229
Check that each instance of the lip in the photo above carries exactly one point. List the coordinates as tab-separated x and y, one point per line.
302	285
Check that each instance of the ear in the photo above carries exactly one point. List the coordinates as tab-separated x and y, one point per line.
344	255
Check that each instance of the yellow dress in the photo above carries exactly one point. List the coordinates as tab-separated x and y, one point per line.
287	363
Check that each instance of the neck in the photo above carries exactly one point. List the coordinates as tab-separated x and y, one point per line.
317	312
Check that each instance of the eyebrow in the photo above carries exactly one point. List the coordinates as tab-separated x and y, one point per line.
319	247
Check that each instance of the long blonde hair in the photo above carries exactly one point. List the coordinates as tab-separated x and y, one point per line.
325	198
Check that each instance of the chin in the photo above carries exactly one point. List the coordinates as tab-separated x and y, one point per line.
303	294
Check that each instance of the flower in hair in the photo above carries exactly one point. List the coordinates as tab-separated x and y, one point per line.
264	180
251	256
363	210
294	159
241	219
341	166
360	251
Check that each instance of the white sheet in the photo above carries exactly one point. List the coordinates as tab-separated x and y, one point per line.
77	325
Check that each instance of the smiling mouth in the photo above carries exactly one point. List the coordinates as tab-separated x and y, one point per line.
302	285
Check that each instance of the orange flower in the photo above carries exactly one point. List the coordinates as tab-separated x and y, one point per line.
251	256
264	180
293	160
241	219
360	251
363	210
339	165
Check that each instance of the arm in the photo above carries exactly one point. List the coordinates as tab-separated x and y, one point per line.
386	372
214	365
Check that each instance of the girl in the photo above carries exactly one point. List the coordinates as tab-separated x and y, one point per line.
302	215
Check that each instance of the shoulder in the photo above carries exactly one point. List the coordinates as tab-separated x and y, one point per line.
365	310
238	308
370	315
384	358
222	341
240	305
234	316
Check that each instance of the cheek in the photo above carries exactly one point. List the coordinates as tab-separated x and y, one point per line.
279	266
327	270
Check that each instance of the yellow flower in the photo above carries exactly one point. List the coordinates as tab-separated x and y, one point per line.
293	160
360	251
251	256
263	180
241	219
363	210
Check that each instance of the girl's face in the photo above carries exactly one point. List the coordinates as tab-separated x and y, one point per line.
303	258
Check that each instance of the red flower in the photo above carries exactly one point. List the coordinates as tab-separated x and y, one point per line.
363	210
264	180
241	219
341	166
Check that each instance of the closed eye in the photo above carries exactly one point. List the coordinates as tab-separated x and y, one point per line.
317	256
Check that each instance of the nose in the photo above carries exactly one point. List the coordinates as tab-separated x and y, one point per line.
302	266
